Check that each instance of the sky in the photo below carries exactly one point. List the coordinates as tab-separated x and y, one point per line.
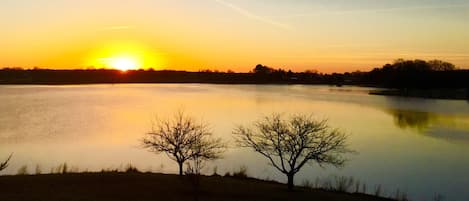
323	35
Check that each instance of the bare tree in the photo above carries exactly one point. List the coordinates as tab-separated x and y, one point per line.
290	144
204	150
183	138
4	164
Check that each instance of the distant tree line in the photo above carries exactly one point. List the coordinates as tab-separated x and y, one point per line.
400	74
417	74
48	76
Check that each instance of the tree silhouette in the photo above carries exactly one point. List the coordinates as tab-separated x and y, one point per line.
417	74
438	65
290	144
182	138
261	69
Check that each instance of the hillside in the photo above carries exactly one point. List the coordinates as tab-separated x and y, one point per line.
149	186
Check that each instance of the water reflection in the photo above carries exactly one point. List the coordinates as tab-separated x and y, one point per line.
441	126
419	121
453	135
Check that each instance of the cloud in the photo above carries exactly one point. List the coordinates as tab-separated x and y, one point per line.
253	16
411	8
375	10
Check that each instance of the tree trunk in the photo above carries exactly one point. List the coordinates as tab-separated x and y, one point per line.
290	181
180	168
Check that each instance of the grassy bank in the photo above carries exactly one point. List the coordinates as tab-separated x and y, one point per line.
151	186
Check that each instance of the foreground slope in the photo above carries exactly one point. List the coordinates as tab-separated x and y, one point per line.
149	186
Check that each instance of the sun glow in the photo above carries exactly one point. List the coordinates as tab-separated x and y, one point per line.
123	64
125	56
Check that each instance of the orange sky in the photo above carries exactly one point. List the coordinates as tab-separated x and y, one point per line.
329	36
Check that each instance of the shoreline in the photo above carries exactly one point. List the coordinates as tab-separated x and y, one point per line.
437	93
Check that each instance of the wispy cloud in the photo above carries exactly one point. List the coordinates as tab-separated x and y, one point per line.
323	11
253	16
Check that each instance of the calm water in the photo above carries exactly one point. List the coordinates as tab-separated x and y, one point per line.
417	145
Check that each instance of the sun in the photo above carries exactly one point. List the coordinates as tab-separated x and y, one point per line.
124	56
123	64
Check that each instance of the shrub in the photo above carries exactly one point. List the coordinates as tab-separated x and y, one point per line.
38	169
131	169
23	170
241	173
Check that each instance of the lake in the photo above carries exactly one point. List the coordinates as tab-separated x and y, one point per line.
419	146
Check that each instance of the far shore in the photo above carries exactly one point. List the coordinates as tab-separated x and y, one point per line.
433	93
403	78
449	94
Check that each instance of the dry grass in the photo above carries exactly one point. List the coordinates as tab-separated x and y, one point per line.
150	186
